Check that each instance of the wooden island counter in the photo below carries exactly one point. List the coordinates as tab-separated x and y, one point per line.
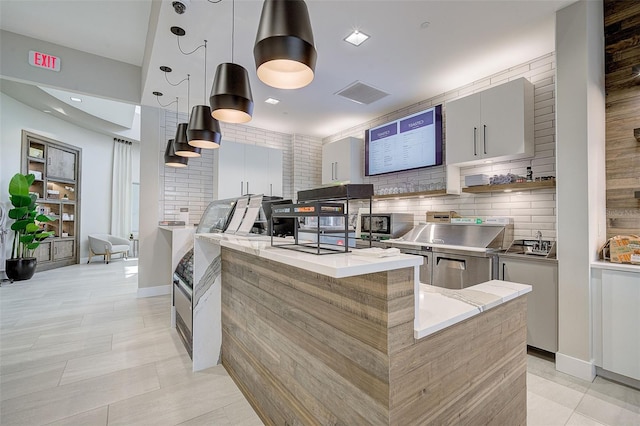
347	339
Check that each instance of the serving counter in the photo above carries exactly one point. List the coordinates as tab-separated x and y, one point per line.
354	339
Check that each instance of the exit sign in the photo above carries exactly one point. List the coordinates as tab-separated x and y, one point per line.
43	60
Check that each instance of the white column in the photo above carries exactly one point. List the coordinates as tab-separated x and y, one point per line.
580	139
154	267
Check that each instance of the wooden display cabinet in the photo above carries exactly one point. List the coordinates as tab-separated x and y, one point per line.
57	168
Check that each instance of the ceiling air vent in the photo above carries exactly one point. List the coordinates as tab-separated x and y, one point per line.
361	93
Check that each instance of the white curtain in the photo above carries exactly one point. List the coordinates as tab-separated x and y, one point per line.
121	189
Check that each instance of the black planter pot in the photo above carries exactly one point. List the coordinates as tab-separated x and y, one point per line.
21	269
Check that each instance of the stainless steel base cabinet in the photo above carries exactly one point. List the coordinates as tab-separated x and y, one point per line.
542	305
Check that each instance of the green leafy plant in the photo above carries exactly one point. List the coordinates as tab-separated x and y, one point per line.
26	228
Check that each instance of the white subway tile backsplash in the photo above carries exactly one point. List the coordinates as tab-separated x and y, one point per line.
531	210
524	206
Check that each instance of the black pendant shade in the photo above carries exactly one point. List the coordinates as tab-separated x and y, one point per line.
181	144
203	130
231	100
171	159
284	51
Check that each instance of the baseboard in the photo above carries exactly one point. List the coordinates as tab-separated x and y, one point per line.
585	370
159	290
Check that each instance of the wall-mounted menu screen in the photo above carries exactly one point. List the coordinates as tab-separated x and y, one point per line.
411	142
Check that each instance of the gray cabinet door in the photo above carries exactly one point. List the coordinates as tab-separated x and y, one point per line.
542	302
43	252
61	164
63	249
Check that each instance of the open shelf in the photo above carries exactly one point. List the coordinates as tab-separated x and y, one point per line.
434	193
510	187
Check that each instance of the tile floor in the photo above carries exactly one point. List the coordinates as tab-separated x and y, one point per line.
78	348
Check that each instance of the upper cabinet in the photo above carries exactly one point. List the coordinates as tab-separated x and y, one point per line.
342	161
248	169
493	125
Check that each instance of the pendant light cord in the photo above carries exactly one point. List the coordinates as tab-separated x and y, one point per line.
164	106
204	86
188	92
187	53
176	84
233	26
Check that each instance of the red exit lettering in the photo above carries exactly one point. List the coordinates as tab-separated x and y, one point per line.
43	60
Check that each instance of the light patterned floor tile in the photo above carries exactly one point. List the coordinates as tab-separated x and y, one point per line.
30	380
53	354
67	400
212	418
122	357
97	417
607	413
557	393
241	413
545	412
578	419
614	393
78	347
176	404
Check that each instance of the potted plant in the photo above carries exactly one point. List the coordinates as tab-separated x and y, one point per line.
26	228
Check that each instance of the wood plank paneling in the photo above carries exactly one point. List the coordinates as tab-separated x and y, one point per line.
622	52
309	349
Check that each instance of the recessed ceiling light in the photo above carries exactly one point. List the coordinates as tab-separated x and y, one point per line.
76	99
272	101
425	25
356	38
46	111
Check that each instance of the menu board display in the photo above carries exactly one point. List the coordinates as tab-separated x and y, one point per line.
411	142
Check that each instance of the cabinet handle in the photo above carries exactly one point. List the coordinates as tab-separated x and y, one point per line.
271	189
247	188
336	170
484	139
241	187
332	172
503	265
475	131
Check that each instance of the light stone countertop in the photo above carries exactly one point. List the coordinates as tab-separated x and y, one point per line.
336	265
437	307
440	307
625	267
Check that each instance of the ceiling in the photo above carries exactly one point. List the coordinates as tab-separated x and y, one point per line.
417	50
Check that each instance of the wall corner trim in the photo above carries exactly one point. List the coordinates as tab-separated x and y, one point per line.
585	370
159	290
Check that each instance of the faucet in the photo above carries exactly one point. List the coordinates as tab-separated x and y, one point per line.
539	237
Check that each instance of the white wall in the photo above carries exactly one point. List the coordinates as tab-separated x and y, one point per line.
80	72
97	158
531	210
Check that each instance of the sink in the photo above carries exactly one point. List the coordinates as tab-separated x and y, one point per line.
528	248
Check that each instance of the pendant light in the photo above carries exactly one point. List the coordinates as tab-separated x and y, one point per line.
170	157
231	99
284	51
203	130
181	144
173	160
